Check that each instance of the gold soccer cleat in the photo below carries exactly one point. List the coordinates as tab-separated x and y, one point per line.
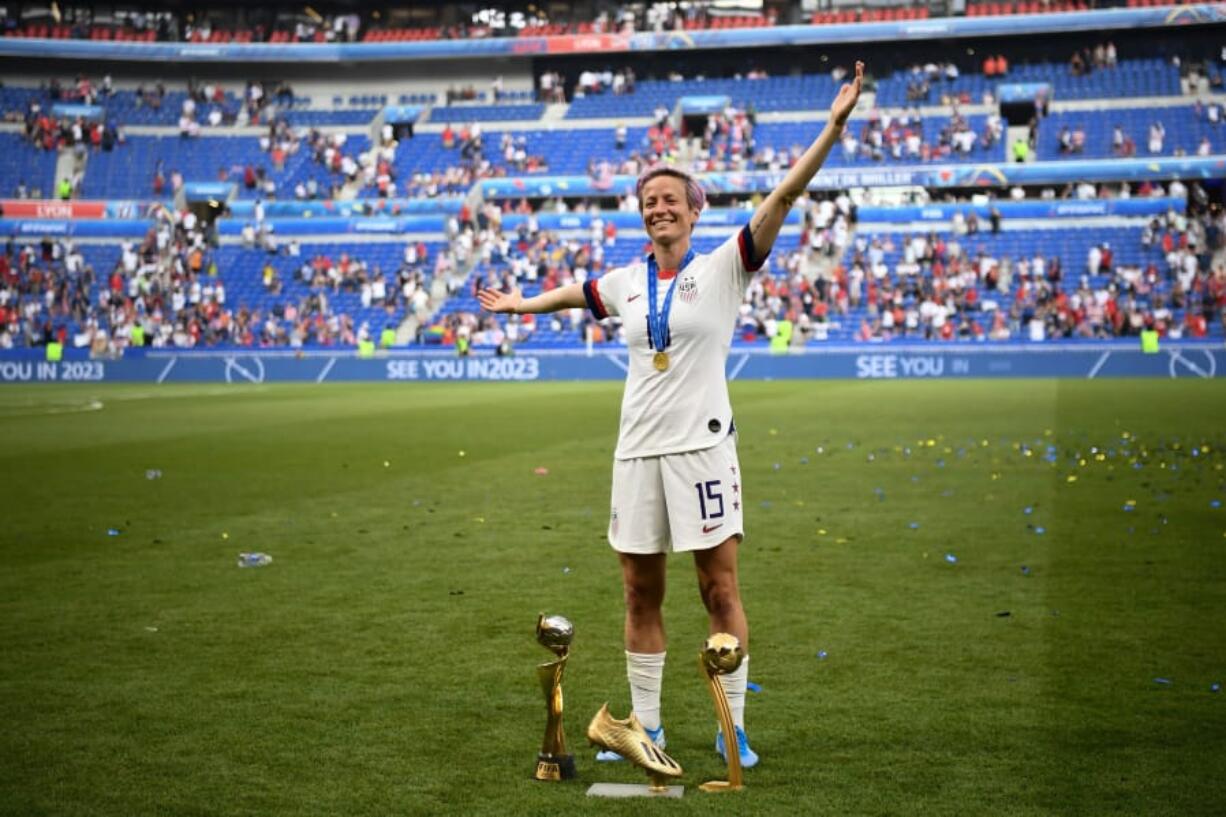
629	739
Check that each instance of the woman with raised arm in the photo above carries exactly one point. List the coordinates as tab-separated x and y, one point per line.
676	479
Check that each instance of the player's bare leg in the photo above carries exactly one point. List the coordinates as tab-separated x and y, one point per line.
643	577
721	593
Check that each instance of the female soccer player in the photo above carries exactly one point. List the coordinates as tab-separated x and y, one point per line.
676	479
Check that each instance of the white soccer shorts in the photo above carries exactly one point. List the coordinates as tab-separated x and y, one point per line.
677	502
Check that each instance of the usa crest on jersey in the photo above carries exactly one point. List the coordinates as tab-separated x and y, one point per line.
687	289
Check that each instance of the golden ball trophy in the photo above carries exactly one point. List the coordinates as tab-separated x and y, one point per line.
554	633
722	654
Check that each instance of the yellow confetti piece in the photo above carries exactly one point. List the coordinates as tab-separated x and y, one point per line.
774	432
995	477
478	518
1047	432
821	532
225	535
333	514
1072	478
983	443
1132	503
840	541
931	443
1100	457
1081	463
462	454
387	464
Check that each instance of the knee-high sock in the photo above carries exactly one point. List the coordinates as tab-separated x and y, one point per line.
645	671
734	687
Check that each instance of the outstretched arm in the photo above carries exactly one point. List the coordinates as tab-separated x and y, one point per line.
567	297
768	218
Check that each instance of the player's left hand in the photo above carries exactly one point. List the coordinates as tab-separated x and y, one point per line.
849	94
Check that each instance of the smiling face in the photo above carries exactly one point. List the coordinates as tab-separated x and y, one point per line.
667	215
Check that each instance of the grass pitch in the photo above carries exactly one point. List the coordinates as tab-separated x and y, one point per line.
965	598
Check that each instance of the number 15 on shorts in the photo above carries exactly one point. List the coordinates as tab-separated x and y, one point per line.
710	499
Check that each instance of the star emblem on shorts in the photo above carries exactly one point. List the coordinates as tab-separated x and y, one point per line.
736	506
733	468
736	489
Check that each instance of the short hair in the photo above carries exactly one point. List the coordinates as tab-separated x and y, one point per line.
695	197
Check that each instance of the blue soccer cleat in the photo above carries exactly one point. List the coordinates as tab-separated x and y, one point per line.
656	735
749	758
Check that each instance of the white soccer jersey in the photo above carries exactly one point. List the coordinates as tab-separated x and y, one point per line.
686	407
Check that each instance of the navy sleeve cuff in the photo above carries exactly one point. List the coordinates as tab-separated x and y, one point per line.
748	253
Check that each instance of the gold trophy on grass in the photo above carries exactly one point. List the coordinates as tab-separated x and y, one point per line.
630	740
722	654
554	633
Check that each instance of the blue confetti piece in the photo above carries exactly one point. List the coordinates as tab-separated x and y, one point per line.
952	559
1128	509
915	479
940	463
752	687
1028	510
1215	504
914	526
1040	531
850	446
1136	466
1215	687
766	503
821	655
1195	452
1164	681
804	460
113	531
947	492
1025	570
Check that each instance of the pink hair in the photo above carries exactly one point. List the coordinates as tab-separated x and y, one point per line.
694	195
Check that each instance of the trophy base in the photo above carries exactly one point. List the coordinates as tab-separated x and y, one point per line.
554	767
620	790
718	786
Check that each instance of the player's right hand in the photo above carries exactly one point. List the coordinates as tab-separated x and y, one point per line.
493	300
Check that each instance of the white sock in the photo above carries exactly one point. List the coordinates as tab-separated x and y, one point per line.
734	687
645	671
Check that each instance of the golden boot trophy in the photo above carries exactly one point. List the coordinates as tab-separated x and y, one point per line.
630	740
722	654
554	633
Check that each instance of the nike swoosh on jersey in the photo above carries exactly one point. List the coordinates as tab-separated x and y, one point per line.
709	528
632	297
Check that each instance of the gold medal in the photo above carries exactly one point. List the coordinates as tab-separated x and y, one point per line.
660	361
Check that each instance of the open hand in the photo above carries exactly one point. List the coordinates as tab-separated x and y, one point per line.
849	94
493	300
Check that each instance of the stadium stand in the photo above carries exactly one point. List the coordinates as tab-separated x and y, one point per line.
836	279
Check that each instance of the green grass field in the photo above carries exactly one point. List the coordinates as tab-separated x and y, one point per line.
384	663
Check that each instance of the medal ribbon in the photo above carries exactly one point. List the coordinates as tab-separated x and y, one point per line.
658	334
